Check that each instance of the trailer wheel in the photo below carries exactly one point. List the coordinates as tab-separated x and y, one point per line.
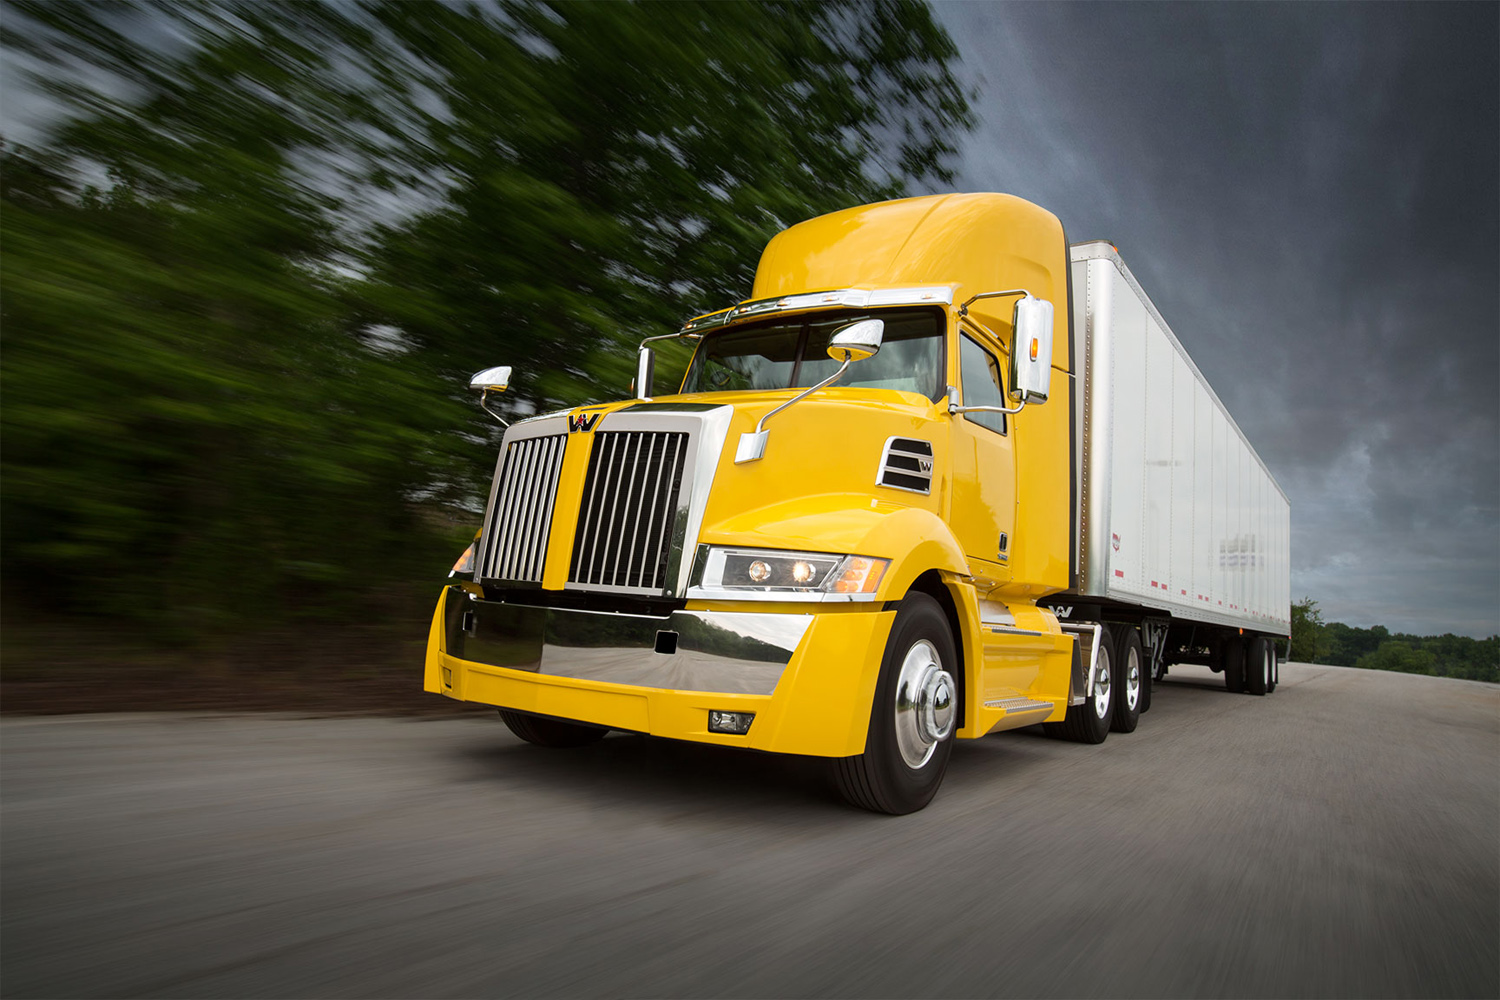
546	731
1275	670
913	717
1233	655
1258	666
1130	682
1090	721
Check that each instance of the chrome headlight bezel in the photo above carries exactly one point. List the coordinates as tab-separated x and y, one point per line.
717	562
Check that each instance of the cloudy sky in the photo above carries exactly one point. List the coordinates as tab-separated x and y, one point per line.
1309	193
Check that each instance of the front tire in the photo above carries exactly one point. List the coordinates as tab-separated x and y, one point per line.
1130	687
546	731
1090	721
913	717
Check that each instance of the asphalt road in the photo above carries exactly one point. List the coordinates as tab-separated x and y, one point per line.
1338	838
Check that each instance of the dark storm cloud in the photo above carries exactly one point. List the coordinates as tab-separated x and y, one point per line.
1309	193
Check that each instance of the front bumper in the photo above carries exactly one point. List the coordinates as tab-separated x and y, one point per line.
808	677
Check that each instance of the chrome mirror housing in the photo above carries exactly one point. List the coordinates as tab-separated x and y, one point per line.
488	381
491	379
1031	354
645	370
857	341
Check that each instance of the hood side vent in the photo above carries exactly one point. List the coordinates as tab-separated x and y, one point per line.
906	464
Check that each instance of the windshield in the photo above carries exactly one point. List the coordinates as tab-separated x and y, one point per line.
793	353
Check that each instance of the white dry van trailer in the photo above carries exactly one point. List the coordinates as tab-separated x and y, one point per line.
1180	530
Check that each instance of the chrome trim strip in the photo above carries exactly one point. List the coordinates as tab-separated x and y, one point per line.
1009	629
732	652
1094	491
840	298
1021	706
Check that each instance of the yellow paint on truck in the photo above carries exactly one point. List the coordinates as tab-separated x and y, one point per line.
990	537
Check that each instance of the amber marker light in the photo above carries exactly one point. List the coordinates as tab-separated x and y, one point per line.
861	576
465	563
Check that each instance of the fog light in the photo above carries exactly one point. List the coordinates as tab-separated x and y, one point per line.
734	723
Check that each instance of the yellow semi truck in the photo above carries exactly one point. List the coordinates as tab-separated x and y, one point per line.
942	475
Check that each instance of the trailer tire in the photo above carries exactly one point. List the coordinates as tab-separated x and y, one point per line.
1275	670
912	719
1233	657
546	731
1090	721
1129	682
1258	666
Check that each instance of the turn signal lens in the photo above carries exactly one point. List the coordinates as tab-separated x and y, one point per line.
860	576
465	562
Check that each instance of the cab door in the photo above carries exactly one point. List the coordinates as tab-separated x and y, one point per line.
984	470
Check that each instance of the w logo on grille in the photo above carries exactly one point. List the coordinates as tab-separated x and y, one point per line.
582	422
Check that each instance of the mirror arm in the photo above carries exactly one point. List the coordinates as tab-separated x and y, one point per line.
963	310
848	360
484	399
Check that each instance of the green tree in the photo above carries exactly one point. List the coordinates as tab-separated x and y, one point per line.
1396	655
607	170
1307	631
243	275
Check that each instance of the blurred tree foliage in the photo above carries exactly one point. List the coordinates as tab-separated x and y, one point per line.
1377	649
243	276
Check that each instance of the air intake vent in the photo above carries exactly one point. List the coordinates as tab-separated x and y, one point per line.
514	546
906	464
629	511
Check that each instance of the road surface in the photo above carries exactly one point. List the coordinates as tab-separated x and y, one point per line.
1338	838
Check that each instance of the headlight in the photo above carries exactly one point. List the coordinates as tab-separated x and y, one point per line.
465	564
778	575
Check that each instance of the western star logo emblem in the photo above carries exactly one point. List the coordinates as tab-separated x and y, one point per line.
925	464
582	422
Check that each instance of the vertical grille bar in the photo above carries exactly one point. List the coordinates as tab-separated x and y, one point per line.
516	531
629	510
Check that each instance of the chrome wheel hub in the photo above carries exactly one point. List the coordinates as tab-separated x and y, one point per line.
1101	688
1133	680
925	709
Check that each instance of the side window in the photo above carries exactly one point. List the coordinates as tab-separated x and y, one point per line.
980	373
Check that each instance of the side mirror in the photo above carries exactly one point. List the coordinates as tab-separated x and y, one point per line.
645	371
857	341
491	379
1031	354
488	381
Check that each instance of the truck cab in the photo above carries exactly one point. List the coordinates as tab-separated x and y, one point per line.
831	540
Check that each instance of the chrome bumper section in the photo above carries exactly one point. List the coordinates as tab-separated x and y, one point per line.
733	652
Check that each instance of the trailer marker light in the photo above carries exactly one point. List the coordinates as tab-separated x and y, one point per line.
732	723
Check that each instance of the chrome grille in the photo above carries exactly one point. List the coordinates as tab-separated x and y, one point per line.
514	545
629	510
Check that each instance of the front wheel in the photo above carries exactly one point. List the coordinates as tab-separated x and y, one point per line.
545	731
913	717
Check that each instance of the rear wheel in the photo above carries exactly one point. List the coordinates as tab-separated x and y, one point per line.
1233	655
1258	666
546	731
1090	721
1130	682
913	717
